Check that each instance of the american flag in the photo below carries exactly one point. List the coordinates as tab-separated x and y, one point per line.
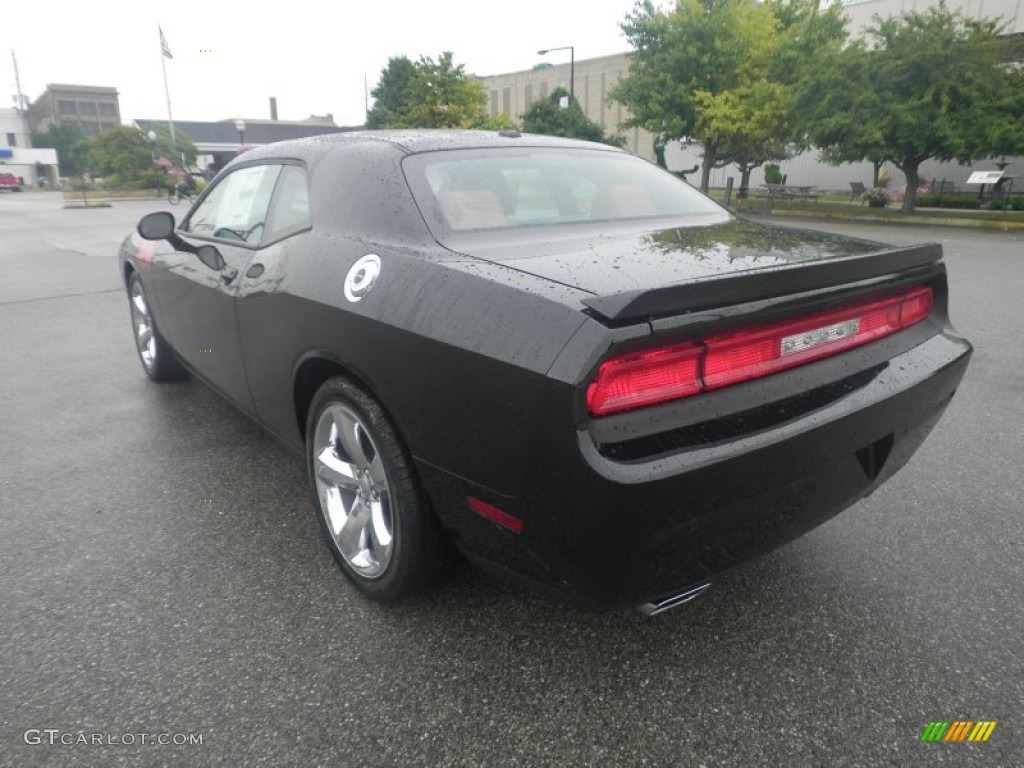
163	45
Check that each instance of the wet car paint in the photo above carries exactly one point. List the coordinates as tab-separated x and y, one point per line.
481	352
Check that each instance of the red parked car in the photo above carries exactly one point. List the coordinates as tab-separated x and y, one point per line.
10	181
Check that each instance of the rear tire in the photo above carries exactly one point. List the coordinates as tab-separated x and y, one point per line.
158	361
374	516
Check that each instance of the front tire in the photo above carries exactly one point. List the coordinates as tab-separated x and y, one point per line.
158	361
373	515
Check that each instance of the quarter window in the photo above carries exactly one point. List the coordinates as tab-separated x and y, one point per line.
289	212
236	208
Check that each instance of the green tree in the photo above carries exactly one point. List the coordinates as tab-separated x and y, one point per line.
500	122
442	95
71	144
122	152
173	151
920	86
436	94
546	116
391	93
726	73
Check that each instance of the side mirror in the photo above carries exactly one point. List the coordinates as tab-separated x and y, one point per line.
211	257
158	225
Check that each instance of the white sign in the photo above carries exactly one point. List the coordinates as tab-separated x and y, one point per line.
985	177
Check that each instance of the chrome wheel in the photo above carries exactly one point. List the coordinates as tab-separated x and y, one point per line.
155	354
353	489
142	324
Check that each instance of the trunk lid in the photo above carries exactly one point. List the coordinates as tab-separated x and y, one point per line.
631	275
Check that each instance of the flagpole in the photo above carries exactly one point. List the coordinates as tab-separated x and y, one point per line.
167	91
170	120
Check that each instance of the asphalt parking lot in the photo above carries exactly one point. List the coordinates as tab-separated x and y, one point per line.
162	573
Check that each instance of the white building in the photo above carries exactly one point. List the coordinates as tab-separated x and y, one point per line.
861	12
807	169
17	155
512	93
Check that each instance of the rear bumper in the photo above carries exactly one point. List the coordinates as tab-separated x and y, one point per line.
604	532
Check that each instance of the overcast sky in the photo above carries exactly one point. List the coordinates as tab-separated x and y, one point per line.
229	58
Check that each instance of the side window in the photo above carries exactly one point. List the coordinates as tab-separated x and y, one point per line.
236	208
289	211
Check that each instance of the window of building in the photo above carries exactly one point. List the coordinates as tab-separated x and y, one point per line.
529	95
603	99
506	101
90	129
494	102
11	140
87	108
108	110
67	107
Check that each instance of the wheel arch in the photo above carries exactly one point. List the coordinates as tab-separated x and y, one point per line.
310	375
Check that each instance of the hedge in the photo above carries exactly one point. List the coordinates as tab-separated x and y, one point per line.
968	202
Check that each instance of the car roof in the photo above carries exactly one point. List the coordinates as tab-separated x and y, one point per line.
375	158
413	141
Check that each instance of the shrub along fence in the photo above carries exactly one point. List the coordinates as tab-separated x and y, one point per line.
970	201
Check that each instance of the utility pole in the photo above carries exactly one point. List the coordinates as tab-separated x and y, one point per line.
22	112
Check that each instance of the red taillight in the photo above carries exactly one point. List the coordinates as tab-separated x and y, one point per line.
916	306
646	378
732	358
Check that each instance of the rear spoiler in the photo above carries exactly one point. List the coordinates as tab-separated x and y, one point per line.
710	292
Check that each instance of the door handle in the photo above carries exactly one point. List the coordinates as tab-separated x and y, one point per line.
228	274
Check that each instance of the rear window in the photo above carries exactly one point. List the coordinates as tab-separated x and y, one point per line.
485	189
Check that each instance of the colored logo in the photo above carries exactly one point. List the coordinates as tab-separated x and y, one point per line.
959	730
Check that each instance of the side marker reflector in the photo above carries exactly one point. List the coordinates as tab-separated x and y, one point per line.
495	515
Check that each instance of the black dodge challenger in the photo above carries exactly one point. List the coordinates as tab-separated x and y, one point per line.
558	357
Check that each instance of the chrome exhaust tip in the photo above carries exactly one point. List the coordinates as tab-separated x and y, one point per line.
667	603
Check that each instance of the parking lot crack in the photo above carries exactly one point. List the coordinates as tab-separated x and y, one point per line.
59	296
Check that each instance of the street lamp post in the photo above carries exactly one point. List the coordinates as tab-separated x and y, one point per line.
240	125
572	67
152	144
